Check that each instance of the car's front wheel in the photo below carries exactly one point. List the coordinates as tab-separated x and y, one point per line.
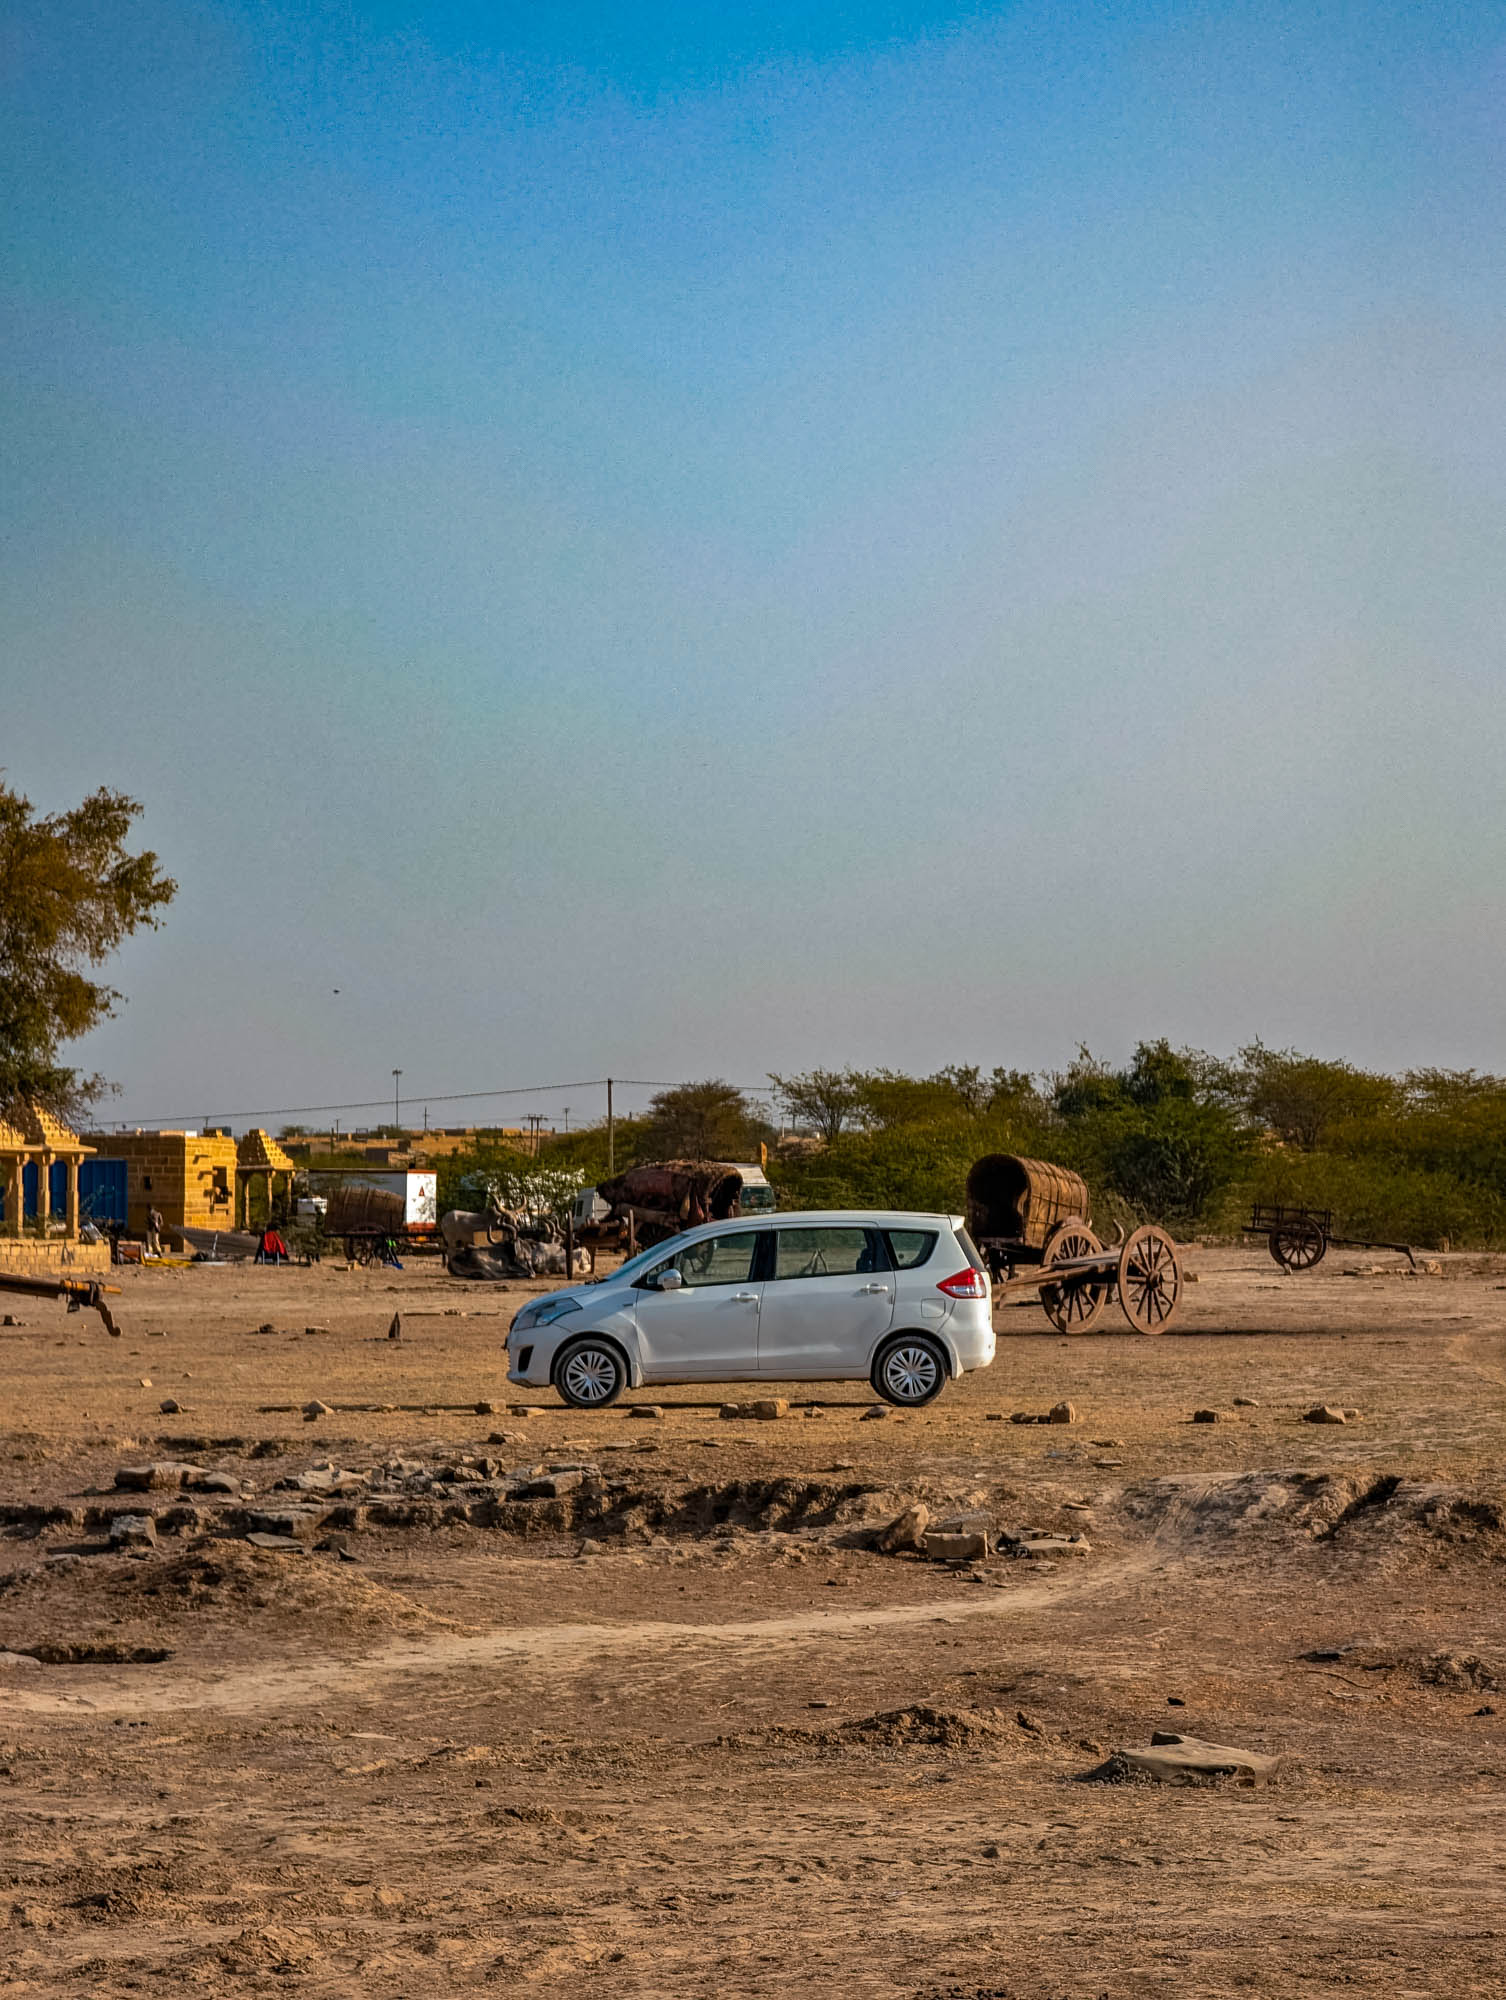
590	1373
910	1371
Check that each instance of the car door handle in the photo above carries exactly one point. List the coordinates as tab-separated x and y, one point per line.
882	1289
745	1298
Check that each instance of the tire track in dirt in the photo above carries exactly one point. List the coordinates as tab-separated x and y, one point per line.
309	1680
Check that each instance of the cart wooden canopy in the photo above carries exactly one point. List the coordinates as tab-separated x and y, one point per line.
1015	1200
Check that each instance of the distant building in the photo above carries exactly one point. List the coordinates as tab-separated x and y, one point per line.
42	1163
188	1177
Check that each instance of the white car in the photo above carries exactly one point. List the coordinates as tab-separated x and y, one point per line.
898	1299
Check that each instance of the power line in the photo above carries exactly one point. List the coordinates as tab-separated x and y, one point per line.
425	1097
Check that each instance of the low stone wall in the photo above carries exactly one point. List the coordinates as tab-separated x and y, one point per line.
31	1258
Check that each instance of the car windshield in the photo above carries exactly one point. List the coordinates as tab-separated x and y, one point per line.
636	1266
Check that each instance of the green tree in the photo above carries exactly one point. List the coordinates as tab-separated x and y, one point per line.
1303	1099
703	1121
70	894
1164	1134
828	1100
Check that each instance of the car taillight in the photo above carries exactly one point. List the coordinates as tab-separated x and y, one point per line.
968	1284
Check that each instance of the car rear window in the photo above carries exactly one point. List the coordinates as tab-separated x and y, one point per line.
969	1250
910	1248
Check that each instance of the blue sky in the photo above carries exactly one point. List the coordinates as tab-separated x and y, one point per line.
672	540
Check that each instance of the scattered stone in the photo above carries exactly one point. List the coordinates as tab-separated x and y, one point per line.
170	1407
731	1412
133	1531
1246	1403
590	1548
1324	1413
905	1531
1061	1413
314	1410
324	1478
552	1486
1107	1464
954	1548
156	1333
337	1546
1205	1417
485	1409
525	1410
876	1413
813	1410
294	1522
11	1320
1172	1760
770	1409
166	1475
309	1331
215	1482
654	1412
395	1331
1109	1444
282	1545
10	1660
146	1381
1042	1548
994	1417
266	1327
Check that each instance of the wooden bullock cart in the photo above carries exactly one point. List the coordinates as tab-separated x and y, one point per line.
1030	1216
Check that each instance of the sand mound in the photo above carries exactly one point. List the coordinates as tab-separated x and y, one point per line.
1453	1673
919	1726
122	1609
1362	1510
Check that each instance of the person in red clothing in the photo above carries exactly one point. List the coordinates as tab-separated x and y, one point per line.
271	1249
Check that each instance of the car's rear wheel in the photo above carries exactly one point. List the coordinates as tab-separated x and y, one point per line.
590	1373
910	1371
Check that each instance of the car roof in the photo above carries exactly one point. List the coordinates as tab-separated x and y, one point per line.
849	1218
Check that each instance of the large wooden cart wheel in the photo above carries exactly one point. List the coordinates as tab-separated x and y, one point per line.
1298	1245
1080	1302
1150	1280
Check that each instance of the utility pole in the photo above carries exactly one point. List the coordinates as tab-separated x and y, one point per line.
611	1135
567	1121
397	1116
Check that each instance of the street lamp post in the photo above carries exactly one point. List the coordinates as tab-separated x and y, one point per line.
397	1116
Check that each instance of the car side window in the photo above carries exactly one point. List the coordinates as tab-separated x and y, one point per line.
910	1248
826	1253
716	1260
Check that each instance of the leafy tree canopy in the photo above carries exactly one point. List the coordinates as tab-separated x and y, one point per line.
703	1121
70	894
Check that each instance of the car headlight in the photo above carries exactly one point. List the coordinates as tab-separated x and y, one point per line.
543	1312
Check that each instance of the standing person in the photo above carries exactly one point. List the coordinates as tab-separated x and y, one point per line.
154	1232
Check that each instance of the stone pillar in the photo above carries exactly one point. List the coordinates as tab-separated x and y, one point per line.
44	1195
70	1213
15	1197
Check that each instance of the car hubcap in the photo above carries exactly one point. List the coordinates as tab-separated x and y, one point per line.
590	1376
911	1373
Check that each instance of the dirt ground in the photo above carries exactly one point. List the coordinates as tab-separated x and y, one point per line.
565	1704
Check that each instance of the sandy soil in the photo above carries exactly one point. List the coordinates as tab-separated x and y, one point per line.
665	1722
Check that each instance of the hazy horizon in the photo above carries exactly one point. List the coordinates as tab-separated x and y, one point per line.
628	540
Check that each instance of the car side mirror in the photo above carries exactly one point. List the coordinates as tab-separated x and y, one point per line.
670	1280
